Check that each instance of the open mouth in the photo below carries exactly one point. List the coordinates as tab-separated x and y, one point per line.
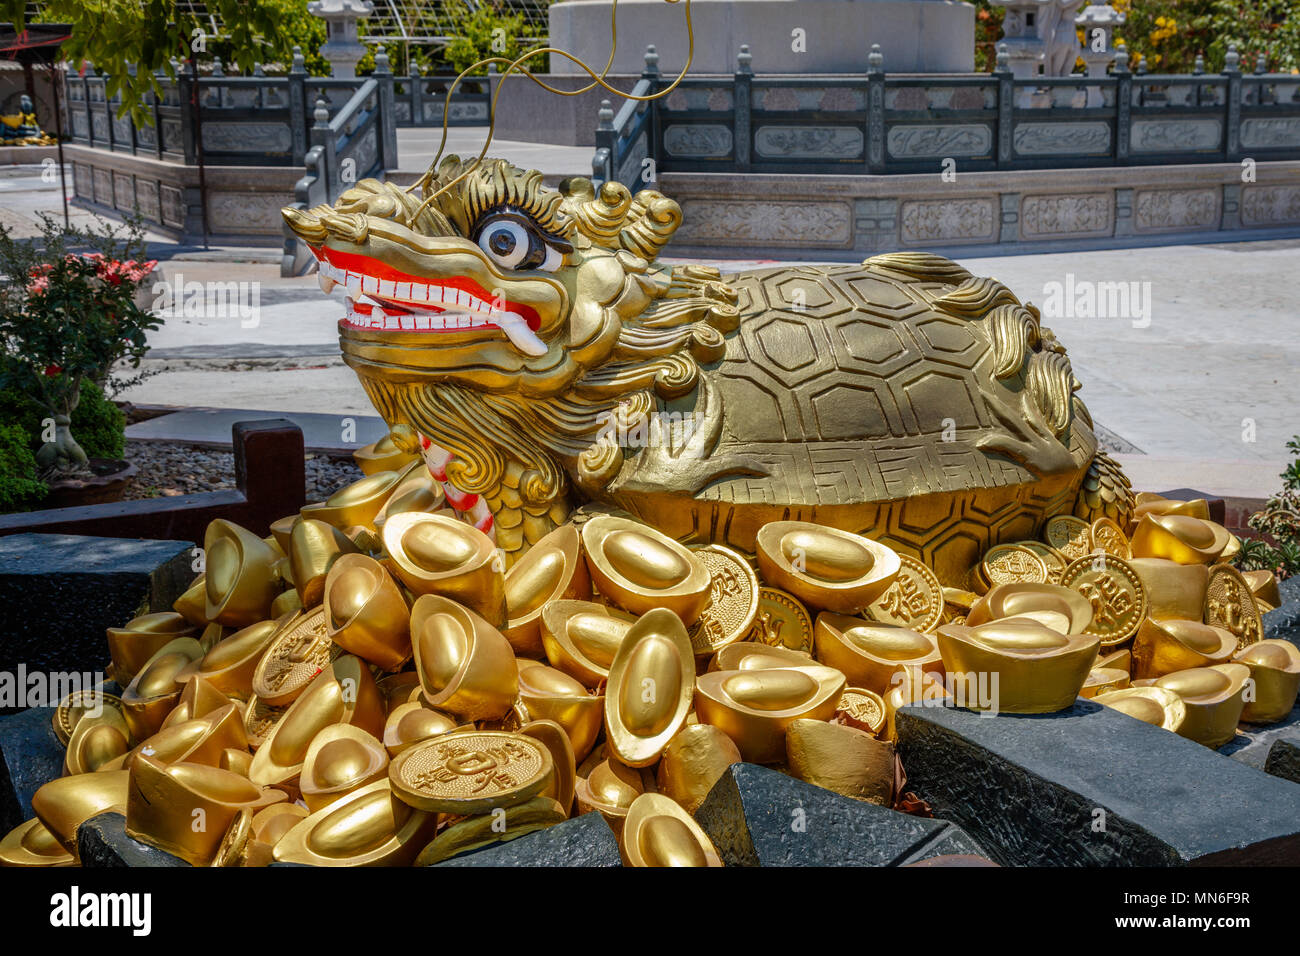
380	298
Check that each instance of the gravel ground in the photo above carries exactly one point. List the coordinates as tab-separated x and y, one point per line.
167	469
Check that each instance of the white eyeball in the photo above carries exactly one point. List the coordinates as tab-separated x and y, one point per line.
506	241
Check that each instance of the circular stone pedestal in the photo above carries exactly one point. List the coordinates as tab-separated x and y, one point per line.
915	36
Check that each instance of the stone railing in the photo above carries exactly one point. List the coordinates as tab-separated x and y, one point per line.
911	123
420	100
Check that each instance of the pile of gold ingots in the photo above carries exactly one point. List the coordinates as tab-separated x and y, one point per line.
370	685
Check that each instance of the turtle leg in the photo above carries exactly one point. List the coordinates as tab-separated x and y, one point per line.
1105	492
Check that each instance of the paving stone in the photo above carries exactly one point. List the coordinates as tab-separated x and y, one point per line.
59	592
211	426
759	817
1092	786
1255	745
30	757
102	842
1284	621
582	841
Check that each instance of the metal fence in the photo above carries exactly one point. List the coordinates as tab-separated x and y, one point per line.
907	123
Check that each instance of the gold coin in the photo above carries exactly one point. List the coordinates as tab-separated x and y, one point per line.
914	600
77	705
863	709
782	621
1107	536
296	656
1012	564
471	772
260	719
1052	559
1230	604
1069	535
1112	587
733	601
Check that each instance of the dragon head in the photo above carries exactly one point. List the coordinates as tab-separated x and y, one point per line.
510	323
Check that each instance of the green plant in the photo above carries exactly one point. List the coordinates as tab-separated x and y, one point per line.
1279	521
68	314
486	31
19	486
100	426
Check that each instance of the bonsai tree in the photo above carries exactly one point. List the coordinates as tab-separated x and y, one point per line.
68	315
1279	551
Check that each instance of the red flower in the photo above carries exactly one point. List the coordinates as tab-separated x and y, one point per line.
53	370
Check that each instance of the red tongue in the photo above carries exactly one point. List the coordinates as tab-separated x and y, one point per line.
365	308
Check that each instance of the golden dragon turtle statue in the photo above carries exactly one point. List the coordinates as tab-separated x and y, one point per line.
546	361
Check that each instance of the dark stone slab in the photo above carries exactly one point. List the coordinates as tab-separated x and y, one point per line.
583	841
759	817
1283	622
59	592
30	757
102	842
1032	789
1255	745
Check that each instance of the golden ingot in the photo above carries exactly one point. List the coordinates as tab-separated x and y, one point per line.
199	698
236	761
1151	705
234	842
94	704
1174	590
269	825
32	844
1069	535
413	721
214	634
754	707
471	772
383	455
658	832
782	621
400	688
1230	604
911	686
609	789
841	759
199	740
368	827
340	759
282	531
230	664
286	603
466	665
1119	660
344	693
239	578
957	603
193	604
1060	608
1263	585
1115	592
863	709
556	739
1037	670
748	656
155	689
1102	680
870	655
64	804
418	491
139	639
1162	647
694	760
476	832
552	570
826	568
1214	698
313	548
300	650
1109	538
582	637
1180	538
435	554
359	502
260	719
914	600
96	743
1148	503
366	613
640	569
1275	669
1230	550
733	601
1053	560
550	694
651	680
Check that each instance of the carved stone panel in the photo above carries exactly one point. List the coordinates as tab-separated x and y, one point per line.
1275	132
948	220
1072	215
245	212
808	142
1270	205
832	99
247	137
146	197
712	98
705	141
1056	139
925	142
83	181
760	222
1176	210
103	187
1176	135
123	192
173	206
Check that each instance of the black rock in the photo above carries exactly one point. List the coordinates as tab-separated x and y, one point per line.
30	757
1093	786
1284	621
59	592
102	842
1255	745
583	841
759	817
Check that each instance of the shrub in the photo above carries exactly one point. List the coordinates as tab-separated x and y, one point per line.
19	487
99	424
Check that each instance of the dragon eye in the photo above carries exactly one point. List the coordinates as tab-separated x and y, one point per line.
512	244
